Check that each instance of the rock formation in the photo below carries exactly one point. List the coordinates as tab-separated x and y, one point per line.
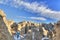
27	27
4	33
57	28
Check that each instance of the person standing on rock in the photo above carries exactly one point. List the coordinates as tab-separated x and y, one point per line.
15	32
17	36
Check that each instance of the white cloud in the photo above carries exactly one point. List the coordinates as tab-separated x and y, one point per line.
38	18
21	17
1	1
38	8
33	18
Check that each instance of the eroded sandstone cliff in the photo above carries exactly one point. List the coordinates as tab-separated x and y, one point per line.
4	33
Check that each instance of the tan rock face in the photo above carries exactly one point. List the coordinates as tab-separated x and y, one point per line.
4	34
57	29
2	13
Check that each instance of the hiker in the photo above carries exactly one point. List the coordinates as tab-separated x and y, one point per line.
15	32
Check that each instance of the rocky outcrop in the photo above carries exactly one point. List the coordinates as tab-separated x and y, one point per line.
28	24
57	28
4	33
28	28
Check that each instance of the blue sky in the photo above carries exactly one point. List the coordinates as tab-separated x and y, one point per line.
31	10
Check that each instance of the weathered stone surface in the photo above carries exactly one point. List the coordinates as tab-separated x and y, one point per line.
4	33
57	29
